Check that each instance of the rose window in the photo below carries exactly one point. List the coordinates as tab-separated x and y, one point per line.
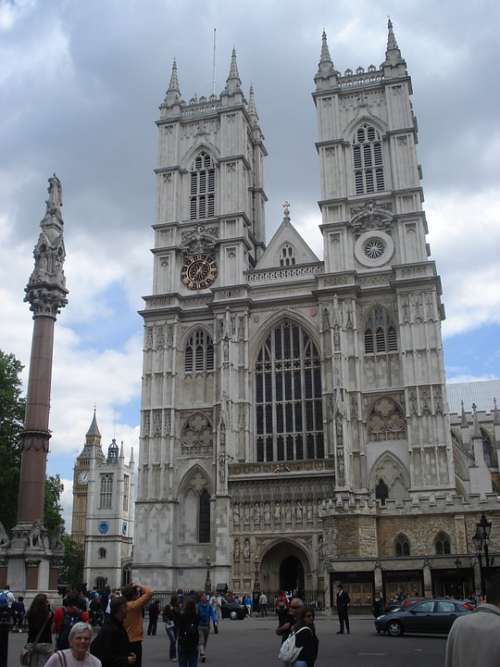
374	248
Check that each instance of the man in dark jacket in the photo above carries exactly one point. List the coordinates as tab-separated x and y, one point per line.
343	601
111	645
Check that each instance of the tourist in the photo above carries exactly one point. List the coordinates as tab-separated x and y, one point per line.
65	618
77	655
137	598
305	638
169	616
96	611
263	604
111	645
153	613
343	601
378	605
474	639
10	596
39	642
188	635
213	603
5	625
247	601
18	612
281	603
288	618
206	614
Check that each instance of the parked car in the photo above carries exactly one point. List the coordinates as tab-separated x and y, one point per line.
406	603
234	610
426	617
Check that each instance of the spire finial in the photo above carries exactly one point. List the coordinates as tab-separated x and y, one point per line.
93	431
252	109
286	211
476	432
173	86
464	416
496	414
325	51
326	69
233	81
391	39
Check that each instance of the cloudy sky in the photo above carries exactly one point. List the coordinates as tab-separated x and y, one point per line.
80	86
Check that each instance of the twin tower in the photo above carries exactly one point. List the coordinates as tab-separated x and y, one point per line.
276	383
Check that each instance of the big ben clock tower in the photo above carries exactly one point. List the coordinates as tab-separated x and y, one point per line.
91	450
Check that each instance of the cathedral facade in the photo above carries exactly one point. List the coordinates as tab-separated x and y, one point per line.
295	426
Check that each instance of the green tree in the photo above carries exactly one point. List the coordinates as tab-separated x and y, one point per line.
72	567
12	407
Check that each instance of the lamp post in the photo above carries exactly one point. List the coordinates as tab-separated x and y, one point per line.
481	539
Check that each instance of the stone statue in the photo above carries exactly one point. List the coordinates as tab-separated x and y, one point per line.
236	513
236	550
256	513
54	202
4	538
298	511
35	538
267	513
246	549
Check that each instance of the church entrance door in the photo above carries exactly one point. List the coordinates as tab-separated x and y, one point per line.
291	574
285	567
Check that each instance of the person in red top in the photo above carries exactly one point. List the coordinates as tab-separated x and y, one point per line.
65	618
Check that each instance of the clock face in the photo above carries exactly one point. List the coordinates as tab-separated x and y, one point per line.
83	477
103	527
198	271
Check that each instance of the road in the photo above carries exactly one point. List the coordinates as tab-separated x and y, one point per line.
252	642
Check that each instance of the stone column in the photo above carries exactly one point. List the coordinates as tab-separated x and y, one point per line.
427	572
377	579
30	551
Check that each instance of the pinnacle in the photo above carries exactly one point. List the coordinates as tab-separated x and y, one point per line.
173	86
391	39
93	428
252	109
233	70
325	51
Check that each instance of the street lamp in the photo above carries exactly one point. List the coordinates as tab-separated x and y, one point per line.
481	539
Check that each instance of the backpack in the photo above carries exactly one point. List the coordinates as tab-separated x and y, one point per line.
189	635
289	651
69	621
4	600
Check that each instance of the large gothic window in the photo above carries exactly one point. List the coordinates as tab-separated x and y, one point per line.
402	546
204	517
202	187
289	417
380	332
199	352
106	491
368	160
442	544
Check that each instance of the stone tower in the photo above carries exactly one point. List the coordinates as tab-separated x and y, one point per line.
91	450
33	563
209	232
109	528
382	332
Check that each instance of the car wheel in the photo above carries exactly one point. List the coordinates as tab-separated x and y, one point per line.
395	629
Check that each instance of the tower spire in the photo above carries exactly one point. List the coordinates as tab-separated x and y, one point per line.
252	109
173	95
326	74
392	53
233	81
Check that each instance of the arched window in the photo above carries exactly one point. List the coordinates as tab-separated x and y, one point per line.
289	416
199	352
204	517
381	491
402	546
202	193
102	553
380	332
106	491
368	160
442	544
287	255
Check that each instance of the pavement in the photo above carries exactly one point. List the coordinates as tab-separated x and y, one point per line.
252	642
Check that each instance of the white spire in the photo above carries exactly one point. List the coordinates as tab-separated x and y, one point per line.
391	38
173	94
252	109
233	81
392	54
326	69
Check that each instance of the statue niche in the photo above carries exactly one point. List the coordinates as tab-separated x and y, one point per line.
197	435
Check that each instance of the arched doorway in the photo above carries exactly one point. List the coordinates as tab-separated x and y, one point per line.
291	574
285	566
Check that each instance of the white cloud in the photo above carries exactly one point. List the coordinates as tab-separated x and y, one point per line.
67	503
466	377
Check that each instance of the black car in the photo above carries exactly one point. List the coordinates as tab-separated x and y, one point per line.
234	610
426	617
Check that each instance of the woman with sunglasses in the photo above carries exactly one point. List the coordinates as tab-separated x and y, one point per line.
306	639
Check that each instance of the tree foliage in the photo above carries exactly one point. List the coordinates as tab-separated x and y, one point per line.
12	407
72	568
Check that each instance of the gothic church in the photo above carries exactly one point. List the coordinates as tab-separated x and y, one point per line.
294	423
